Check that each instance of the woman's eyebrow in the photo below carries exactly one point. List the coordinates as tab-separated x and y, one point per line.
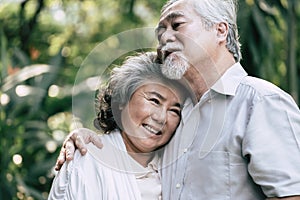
157	95
178	105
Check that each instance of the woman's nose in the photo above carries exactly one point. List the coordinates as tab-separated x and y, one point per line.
160	116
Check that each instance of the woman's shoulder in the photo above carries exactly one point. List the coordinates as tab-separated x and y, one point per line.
113	154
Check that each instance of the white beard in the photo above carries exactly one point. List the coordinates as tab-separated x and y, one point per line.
174	66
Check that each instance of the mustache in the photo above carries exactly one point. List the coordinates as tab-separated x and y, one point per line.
165	50
171	47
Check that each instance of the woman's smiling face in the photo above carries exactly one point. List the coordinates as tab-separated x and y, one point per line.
151	117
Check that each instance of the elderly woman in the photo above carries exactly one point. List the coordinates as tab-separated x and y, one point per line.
138	112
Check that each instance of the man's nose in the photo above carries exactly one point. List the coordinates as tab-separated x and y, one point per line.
167	36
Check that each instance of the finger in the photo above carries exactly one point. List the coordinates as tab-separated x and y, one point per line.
60	160
80	144
96	140
70	150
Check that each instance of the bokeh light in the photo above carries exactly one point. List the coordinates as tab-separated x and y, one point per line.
4	99
53	91
17	159
23	90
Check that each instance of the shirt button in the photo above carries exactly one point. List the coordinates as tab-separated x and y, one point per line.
185	150
178	185
209	101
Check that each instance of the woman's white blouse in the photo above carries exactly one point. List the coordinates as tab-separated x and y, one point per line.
107	173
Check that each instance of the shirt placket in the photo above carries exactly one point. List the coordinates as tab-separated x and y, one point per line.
189	132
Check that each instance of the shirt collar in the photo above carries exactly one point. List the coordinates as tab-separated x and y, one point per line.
226	85
140	171
230	80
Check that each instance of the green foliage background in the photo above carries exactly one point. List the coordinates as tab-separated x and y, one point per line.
44	42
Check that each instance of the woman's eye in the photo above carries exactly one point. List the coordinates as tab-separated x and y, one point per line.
177	112
156	101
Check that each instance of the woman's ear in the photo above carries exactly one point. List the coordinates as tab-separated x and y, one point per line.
222	31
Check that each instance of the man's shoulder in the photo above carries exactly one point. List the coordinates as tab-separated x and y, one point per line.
261	87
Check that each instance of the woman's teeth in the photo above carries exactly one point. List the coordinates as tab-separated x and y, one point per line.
151	129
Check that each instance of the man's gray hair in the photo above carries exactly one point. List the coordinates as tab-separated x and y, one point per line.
216	11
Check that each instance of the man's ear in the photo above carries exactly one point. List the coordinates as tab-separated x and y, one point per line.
222	31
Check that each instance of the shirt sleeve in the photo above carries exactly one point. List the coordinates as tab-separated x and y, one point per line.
67	184
272	144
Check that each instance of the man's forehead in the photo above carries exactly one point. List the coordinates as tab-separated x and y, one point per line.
177	9
172	15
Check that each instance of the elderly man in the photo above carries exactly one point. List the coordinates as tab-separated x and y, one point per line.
239	138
